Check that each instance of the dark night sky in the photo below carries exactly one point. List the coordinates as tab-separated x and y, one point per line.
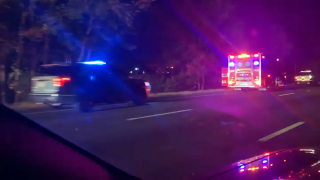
159	27
299	20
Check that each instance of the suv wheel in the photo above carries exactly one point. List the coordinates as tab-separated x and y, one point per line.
85	106
140	98
56	106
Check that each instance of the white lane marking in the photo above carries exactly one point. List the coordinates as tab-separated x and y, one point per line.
270	136
286	94
41	112
212	94
191	97
161	114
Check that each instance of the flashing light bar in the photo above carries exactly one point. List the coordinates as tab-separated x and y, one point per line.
242	86
306	71
244	56
316	163
93	62
256	63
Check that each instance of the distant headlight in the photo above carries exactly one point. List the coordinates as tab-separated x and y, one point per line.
310	76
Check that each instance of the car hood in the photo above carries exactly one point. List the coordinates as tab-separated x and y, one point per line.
303	163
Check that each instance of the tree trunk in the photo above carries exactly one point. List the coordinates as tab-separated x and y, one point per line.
46	49
89	54
18	60
2	80
82	50
34	62
202	82
83	46
9	96
24	16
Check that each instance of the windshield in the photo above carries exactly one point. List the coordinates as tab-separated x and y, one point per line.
165	89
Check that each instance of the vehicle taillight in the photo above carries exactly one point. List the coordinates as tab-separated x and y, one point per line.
147	84
295	77
60	81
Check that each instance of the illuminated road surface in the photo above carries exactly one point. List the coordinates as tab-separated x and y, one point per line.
189	138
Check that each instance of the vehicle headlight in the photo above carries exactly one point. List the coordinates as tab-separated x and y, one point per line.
310	76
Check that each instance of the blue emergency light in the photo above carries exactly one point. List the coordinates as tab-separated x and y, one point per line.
231	64
93	62
256	63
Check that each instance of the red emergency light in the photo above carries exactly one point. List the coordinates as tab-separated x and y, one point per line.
60	81
244	56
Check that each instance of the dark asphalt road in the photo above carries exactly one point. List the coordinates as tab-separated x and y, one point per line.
185	139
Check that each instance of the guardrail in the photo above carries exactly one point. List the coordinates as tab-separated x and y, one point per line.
184	94
153	97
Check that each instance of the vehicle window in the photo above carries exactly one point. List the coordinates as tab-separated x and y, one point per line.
56	71
99	71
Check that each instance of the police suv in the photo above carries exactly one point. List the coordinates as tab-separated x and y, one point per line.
86	84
